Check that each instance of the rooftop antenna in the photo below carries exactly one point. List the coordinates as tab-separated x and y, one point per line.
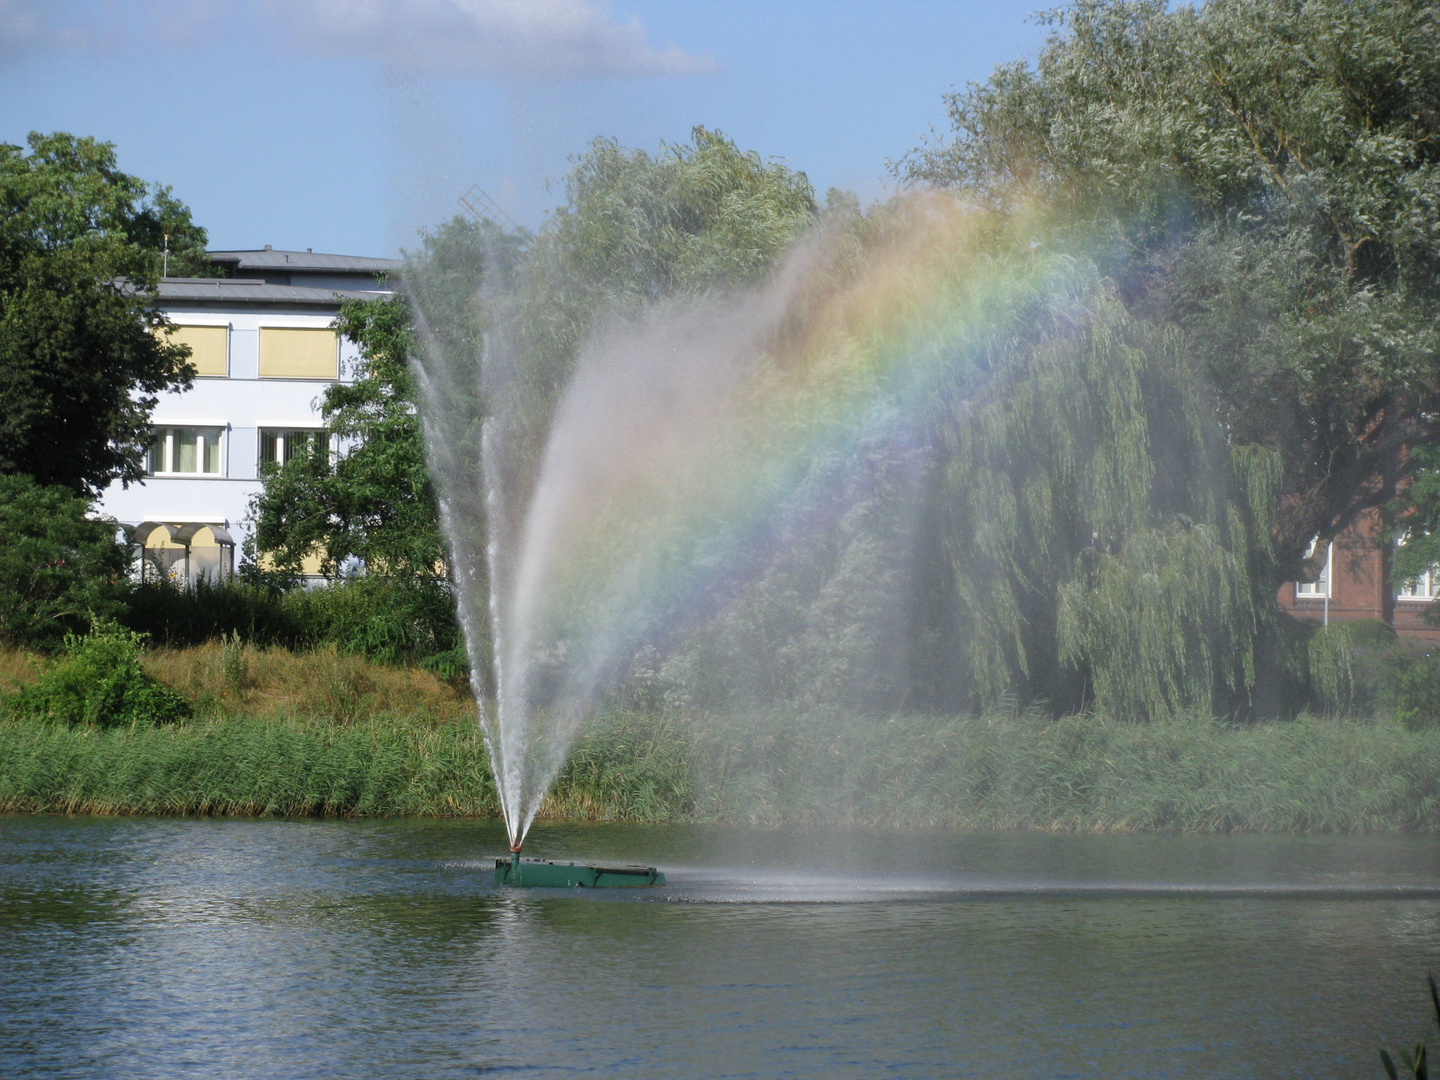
483	208
165	258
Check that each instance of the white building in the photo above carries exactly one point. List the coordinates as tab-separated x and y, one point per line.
261	343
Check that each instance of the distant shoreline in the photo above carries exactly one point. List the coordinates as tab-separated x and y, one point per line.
995	771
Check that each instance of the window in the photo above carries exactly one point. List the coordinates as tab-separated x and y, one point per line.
184	451
1425	587
298	353
280	446
1320	587
209	348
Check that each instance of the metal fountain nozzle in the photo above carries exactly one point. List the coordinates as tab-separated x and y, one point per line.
515	848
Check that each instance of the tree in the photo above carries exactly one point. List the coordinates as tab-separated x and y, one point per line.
81	357
636	228
373	501
58	566
1266	175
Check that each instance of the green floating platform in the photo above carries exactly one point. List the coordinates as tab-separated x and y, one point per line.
548	874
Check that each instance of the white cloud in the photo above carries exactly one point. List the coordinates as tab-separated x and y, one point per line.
509	38
33	27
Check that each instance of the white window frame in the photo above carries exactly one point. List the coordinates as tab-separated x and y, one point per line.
1319	589
168	453
1422	590
261	463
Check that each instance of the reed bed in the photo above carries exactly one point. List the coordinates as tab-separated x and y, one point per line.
998	771
246	767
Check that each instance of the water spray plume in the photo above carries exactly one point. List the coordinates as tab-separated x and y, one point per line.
678	445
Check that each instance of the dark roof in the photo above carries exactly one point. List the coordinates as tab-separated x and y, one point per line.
302	261
242	291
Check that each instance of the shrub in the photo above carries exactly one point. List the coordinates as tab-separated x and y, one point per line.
57	566
389	620
99	681
206	610
1417	693
1354	666
385	619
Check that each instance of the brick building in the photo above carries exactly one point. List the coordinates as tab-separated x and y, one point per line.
1355	584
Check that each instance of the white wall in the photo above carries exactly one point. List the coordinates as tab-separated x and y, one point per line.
241	404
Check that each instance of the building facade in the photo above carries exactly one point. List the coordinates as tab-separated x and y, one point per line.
264	352
1355	583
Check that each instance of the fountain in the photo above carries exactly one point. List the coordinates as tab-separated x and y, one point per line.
693	439
565	585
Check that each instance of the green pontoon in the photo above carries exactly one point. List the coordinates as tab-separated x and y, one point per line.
548	874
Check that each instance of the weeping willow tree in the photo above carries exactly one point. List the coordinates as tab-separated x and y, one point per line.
1105	546
991	480
1037	504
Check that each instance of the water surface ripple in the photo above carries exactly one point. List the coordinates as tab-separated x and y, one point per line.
141	948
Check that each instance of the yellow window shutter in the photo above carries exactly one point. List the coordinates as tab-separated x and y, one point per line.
209	348
290	353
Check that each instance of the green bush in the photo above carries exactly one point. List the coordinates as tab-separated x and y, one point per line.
1416	693
57	566
389	620
99	682
206	610
1354	667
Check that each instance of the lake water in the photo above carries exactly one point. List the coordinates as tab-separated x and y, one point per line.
136	948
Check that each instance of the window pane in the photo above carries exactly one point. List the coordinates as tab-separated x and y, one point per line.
280	446
299	442
185	450
155	455
211	440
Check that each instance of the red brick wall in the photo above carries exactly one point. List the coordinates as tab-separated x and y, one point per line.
1359	586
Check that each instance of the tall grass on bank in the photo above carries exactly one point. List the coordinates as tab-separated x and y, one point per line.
249	767
998	771
1027	771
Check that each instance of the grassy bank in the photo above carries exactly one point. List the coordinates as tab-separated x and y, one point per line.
998	771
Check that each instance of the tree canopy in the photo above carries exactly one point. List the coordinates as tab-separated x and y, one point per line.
1264	174
373	501
636	228
81	357
59	568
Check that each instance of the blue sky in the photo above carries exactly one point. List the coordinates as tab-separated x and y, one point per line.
346	125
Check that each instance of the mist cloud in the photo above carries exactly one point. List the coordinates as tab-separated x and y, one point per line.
506	38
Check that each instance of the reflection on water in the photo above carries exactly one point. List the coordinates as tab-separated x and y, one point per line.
166	948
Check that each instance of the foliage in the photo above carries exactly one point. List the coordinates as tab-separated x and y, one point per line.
388	620
635	228
81	356
1416	693
248	766
1416	516
504	316
1363	669
99	682
1046	512
1265	174
1355	667
995	770
374	501
1099	535
207	610
58	566
1415	1062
